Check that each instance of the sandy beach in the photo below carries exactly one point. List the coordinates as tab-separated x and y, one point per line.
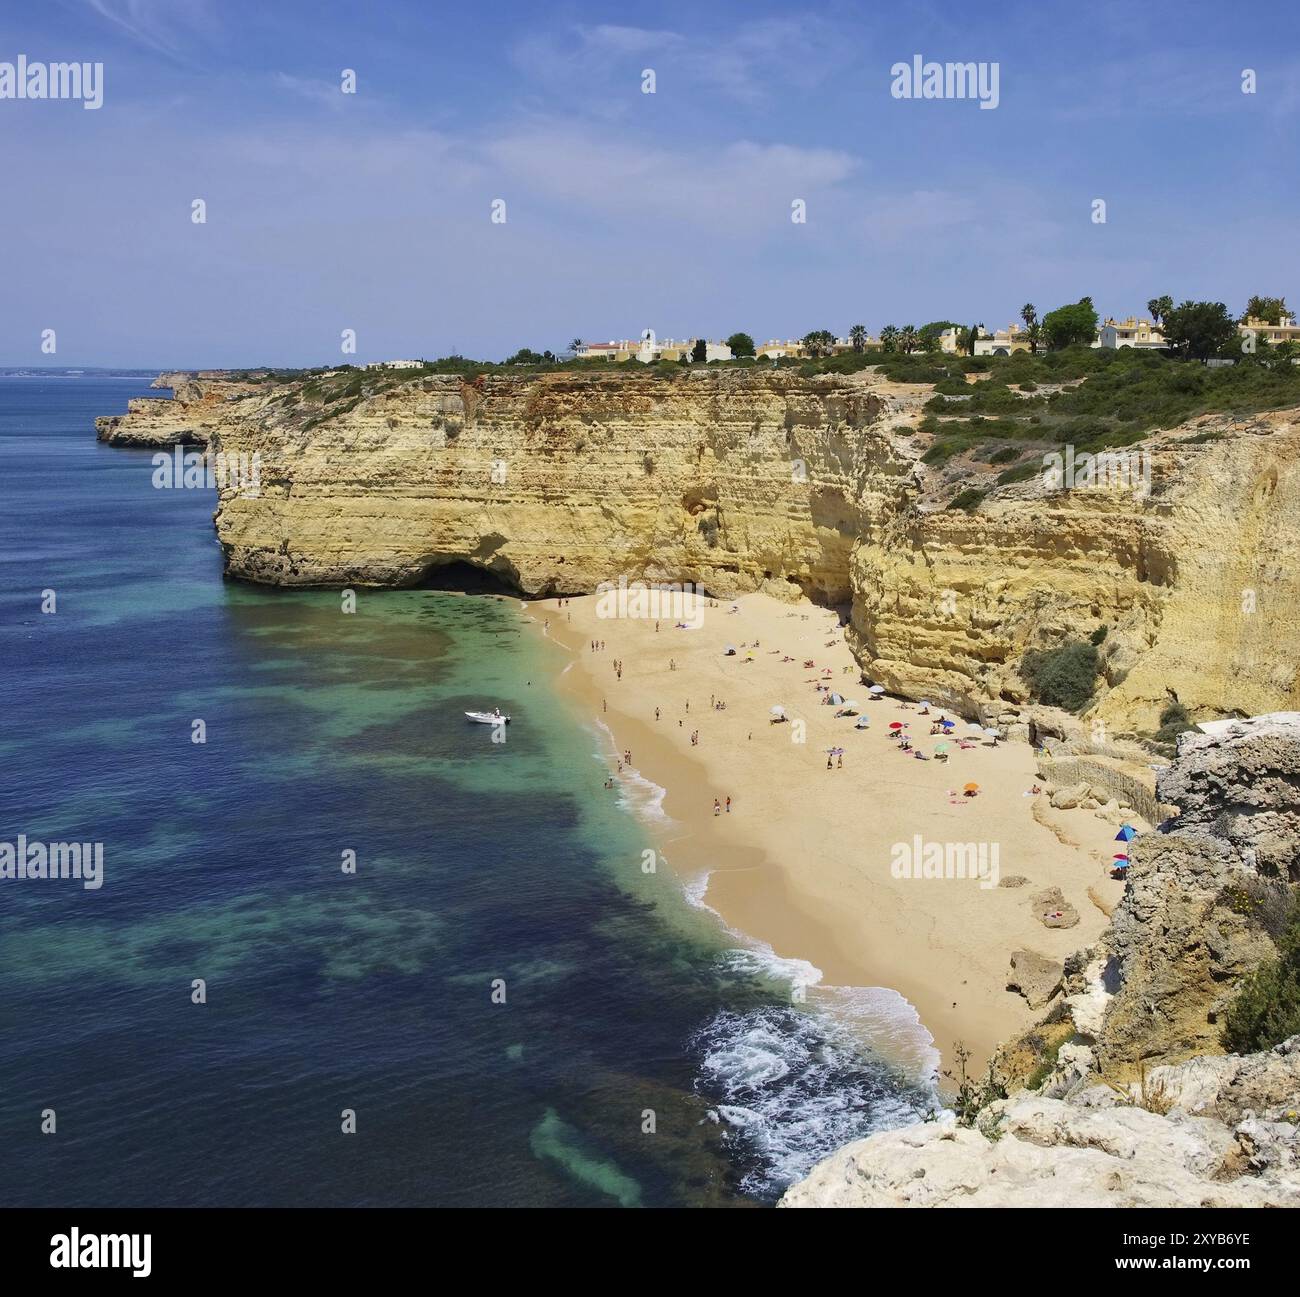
802	860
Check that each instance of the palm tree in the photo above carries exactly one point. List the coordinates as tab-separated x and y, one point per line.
907	338
576	345
858	337
1159	308
1029	314
888	337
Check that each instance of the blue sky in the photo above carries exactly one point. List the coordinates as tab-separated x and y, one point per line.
626	210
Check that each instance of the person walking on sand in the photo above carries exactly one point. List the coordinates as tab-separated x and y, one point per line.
839	761
728	805
717	810
656	713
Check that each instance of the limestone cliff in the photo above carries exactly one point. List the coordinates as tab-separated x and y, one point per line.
762	479
186	418
1196	914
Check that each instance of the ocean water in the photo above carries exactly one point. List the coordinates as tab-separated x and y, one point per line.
643	1055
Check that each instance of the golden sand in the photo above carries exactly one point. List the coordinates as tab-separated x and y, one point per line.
802	861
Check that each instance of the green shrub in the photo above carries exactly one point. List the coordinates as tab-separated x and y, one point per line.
942	451
1062	677
1005	455
1267	1008
968	500
1021	472
1098	635
1174	721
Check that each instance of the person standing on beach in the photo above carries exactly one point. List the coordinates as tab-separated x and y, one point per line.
728	805
717	810
656	713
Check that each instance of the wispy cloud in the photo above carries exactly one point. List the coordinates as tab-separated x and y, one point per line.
166	26
752	64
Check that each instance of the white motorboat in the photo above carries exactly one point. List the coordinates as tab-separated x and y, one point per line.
494	717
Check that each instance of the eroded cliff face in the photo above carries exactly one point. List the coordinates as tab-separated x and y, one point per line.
1201	897
757	479
1197	580
556	484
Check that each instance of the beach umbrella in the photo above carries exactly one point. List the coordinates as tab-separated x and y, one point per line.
993	734
837	699
947	724
1126	834
975	726
971	788
778	710
895	725
876	689
1121	856
1122	864
862	723
925	702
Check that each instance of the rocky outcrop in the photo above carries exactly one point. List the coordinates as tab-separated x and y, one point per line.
1034	976
1121	1095
1213	1133
760	479
187	418
1201	896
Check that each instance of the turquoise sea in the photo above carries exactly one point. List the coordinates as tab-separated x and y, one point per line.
642	1055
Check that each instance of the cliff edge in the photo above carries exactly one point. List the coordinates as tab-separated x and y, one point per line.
762	479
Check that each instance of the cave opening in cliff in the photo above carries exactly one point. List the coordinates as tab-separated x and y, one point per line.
465	578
